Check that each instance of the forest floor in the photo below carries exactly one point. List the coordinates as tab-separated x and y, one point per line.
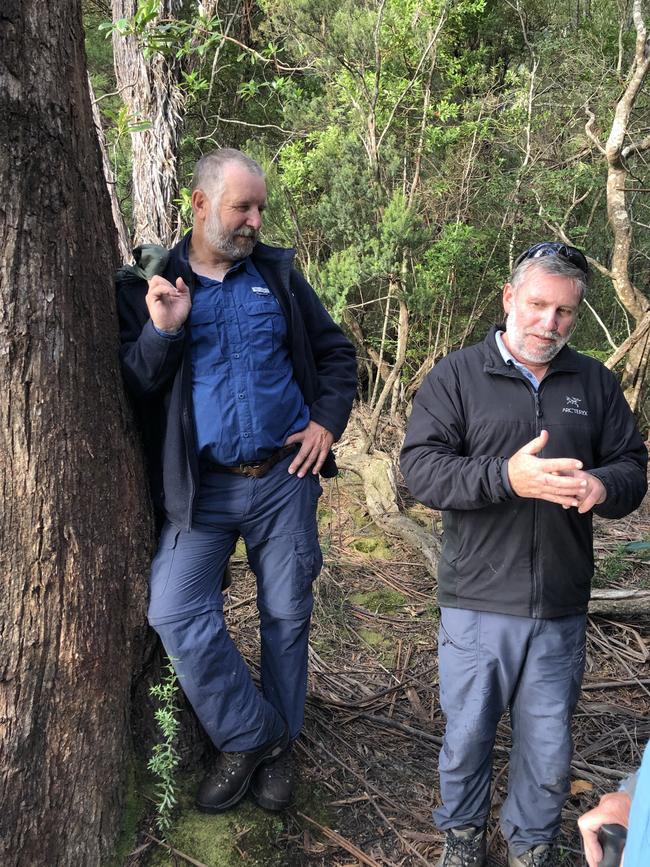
367	759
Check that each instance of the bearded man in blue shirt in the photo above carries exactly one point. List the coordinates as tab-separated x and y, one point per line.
244	382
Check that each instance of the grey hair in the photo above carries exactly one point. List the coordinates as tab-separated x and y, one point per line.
555	266
208	172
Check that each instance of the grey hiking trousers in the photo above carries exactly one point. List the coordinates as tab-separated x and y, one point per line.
488	663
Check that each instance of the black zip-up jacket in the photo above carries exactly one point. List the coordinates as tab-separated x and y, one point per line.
158	371
501	552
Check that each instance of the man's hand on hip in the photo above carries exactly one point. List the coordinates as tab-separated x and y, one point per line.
315	443
556	480
168	305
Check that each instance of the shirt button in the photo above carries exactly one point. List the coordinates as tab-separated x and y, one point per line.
241	395
246	435
235	355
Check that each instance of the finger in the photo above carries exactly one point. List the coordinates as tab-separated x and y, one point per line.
295	438
324	451
302	455
565	502
159	290
182	286
310	459
562	467
535	446
588	502
593	849
564	484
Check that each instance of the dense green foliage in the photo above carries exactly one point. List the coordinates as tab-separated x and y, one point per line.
413	147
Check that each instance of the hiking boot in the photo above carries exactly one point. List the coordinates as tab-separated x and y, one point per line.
544	855
272	784
228	780
464	847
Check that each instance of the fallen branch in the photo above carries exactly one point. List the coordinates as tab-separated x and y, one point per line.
176	852
341	841
619	602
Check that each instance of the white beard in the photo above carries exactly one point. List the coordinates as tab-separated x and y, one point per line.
234	245
523	351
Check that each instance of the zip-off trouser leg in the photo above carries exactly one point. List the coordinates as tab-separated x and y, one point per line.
276	517
489	662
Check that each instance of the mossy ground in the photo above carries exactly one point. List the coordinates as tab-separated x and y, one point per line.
380	601
244	835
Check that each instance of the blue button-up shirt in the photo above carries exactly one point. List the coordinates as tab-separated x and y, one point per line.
246	400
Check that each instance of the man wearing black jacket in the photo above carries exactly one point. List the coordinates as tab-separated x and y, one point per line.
244	383
517	440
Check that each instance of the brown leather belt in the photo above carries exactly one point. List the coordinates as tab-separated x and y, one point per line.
255	469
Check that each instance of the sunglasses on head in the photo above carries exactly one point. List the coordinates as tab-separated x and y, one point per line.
554	248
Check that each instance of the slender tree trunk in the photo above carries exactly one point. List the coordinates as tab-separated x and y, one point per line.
123	240
74	529
618	155
400	356
151	93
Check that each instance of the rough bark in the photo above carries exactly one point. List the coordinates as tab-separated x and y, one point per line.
74	528
151	93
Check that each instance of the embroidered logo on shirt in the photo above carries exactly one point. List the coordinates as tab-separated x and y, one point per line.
573	406
261	290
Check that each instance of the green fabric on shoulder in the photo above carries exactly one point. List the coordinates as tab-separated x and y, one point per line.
149	260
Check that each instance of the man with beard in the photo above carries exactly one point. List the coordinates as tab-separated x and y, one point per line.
518	440
244	383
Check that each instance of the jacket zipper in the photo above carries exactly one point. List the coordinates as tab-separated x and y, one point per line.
536	581
188	433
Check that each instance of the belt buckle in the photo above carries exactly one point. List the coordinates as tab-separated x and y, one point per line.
250	470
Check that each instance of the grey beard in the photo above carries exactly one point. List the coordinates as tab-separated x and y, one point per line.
542	356
234	246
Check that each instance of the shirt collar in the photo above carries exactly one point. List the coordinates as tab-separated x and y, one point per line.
509	358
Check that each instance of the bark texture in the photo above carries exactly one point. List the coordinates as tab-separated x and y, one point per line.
74	528
151	92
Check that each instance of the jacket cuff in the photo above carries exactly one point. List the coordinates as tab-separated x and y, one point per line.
506	481
170	335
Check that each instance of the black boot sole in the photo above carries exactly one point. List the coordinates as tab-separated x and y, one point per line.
271	804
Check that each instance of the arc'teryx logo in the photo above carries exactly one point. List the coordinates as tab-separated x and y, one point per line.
573	406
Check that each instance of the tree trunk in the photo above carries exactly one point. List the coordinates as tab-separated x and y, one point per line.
402	341
123	240
75	529
618	173
151	93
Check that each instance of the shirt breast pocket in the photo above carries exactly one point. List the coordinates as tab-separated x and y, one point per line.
266	329
206	338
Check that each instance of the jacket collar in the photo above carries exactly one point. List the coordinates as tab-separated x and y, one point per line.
280	258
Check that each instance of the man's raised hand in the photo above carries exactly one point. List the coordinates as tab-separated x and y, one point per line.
555	480
168	305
